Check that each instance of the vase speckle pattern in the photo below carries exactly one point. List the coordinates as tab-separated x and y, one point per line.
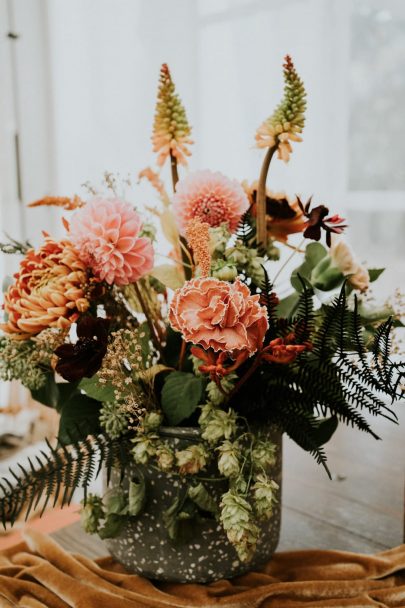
145	548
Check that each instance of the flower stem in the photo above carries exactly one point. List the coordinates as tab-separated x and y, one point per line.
146	312
185	254
175	173
261	199
246	376
290	257
182	354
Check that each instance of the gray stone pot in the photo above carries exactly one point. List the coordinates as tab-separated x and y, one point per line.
144	547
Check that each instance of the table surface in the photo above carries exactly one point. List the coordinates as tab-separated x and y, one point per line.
361	509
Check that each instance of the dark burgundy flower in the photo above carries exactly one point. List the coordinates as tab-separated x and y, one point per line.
83	359
317	220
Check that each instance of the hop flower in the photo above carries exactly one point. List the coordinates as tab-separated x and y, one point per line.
192	459
228	461
219	315
225	271
206	413
91	513
215	395
210	197
288	120
263	495
218	424
165	458
219	237
171	131
144	447
48	291
237	519
152	421
263	454
106	233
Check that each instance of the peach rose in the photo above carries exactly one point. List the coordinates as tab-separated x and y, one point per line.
219	315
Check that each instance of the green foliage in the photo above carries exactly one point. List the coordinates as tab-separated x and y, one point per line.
25	361
48	393
202	498
14	247
246	230
330	383
57	473
314	254
181	394
94	389
79	417
374	273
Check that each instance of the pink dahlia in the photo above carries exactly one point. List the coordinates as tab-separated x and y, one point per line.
211	198
219	315
105	231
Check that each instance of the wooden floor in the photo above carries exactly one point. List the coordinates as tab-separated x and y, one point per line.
362	509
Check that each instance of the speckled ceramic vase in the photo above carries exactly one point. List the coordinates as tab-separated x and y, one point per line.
145	548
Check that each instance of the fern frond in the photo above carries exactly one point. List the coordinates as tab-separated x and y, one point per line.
269	300
305	318
328	334
58	473
245	231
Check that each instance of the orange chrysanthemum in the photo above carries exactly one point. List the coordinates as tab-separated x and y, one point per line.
59	201
283	215
48	290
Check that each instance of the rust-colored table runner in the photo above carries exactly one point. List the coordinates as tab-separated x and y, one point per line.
40	574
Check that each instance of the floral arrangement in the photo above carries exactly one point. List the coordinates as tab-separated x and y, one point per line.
122	345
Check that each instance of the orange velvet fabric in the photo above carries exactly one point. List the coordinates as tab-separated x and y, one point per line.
40	574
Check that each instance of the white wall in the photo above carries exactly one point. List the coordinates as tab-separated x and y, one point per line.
87	72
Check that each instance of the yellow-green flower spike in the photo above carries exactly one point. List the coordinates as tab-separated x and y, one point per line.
287	122
171	131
